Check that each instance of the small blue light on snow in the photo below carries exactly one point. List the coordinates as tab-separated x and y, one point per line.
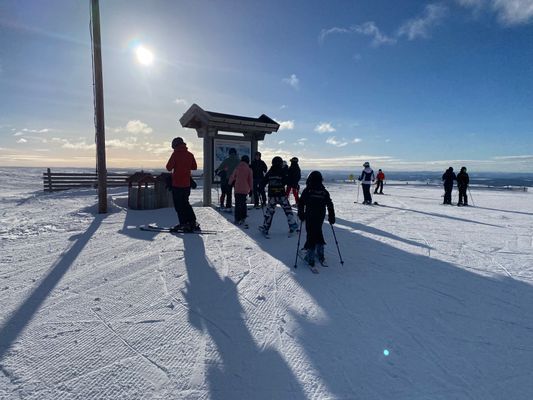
386	352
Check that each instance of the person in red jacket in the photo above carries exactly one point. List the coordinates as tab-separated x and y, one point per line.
181	163
242	179
380	177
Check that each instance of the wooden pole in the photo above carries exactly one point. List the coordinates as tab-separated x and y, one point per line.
99	108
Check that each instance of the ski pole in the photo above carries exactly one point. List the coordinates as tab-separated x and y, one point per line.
358	186
298	246
471	198
337	243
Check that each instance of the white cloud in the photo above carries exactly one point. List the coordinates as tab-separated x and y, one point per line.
419	27
136	127
333	140
281	142
509	12
293	81
19	133
22	140
181	102
324	127
283	106
301	141
370	29
326	32
357	140
285	125
80	145
35	130
514	12
387	140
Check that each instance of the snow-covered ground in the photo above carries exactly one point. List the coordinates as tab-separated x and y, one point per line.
92	307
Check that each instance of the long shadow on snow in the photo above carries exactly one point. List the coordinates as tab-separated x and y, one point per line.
440	215
21	317
506	211
450	333
245	371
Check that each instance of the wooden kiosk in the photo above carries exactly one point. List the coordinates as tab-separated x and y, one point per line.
246	132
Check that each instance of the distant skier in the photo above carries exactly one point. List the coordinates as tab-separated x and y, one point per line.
181	163
224	171
276	179
294	176
462	184
259	169
367	178
312	209
380	177
448	177
242	179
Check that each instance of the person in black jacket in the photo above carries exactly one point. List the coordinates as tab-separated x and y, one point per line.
259	168
448	177
276	179
312	209
294	176
462	184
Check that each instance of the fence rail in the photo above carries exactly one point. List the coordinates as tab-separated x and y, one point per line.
55	181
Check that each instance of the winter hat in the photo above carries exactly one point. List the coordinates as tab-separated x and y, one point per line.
176	142
379	170
463	169
294	159
246	159
366	164
314	178
277	161
232	151
450	169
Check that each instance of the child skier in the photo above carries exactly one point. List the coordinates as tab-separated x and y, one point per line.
312	209
242	179
276	179
294	175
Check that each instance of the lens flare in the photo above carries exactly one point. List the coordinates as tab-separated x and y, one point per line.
386	352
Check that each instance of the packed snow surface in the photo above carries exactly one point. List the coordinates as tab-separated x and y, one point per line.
432	302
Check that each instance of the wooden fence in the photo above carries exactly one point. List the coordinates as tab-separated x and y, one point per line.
54	181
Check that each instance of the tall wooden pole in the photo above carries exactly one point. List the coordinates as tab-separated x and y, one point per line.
99	108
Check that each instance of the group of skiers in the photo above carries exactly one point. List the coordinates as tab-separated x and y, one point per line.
251	179
462	185
247	178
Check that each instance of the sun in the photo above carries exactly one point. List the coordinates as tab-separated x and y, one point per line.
144	56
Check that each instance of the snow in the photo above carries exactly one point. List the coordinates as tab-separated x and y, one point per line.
92	307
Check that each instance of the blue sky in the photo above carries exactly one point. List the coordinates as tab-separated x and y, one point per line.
407	85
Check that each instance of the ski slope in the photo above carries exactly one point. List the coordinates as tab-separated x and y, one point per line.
433	301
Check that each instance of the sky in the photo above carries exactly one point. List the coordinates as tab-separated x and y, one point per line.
407	86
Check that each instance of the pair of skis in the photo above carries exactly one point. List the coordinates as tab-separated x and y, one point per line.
164	229
313	268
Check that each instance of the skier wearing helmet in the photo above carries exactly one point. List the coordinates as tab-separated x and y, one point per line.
294	176
276	179
312	207
367	178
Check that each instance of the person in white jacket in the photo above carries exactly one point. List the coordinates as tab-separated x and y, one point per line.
367	179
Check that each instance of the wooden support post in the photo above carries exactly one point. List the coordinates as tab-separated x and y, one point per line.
49	173
99	108
208	168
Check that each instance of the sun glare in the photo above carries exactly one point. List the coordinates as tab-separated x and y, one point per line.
144	56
